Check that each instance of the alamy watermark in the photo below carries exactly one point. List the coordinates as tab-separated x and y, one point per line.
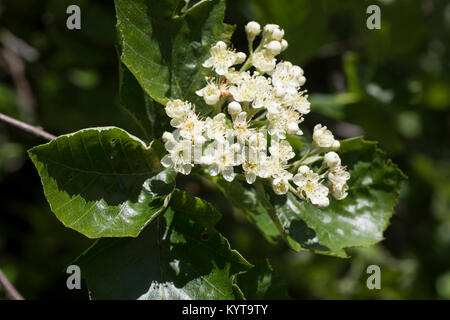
74	20
374	20
374	280
74	280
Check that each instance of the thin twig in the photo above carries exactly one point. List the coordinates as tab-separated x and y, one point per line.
16	68
10	291
14	53
271	210
26	127
186	10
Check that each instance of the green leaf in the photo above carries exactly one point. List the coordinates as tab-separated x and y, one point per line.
358	220
103	182
164	48
179	256
332	105
149	115
243	197
260	283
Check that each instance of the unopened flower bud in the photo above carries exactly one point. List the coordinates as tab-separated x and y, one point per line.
332	159
303	169
274	47
336	145
273	32
167	136
297	71
284	45
278	34
253	29
234	108
301	80
240	57
270	28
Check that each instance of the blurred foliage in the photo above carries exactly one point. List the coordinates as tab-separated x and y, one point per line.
390	85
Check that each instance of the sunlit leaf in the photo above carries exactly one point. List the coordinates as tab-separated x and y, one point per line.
164	48
103	182
358	220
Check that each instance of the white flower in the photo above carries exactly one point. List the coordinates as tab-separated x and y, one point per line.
338	175
221	157
177	109
210	93
339	191
244	92
191	128
252	29
273	32
332	159
237	77
251	88
301	104
252	169
216	128
221	58
280	183
288	77
241	126
284	122
264	95
282	150
179	156
272	95
309	184
292	128
323	137
255	149
270	166
263	61
257	142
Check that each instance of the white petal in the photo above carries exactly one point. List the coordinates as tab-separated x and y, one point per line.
299	180
221	69
200	92
250	177
166	161
208	63
228	174
213	169
186	169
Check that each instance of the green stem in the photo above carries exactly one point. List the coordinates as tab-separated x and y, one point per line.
261	116
250	46
218	106
270	209
185	10
247	64
298	163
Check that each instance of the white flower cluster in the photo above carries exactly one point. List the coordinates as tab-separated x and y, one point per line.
261	95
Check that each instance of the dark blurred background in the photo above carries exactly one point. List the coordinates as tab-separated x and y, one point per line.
391	85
